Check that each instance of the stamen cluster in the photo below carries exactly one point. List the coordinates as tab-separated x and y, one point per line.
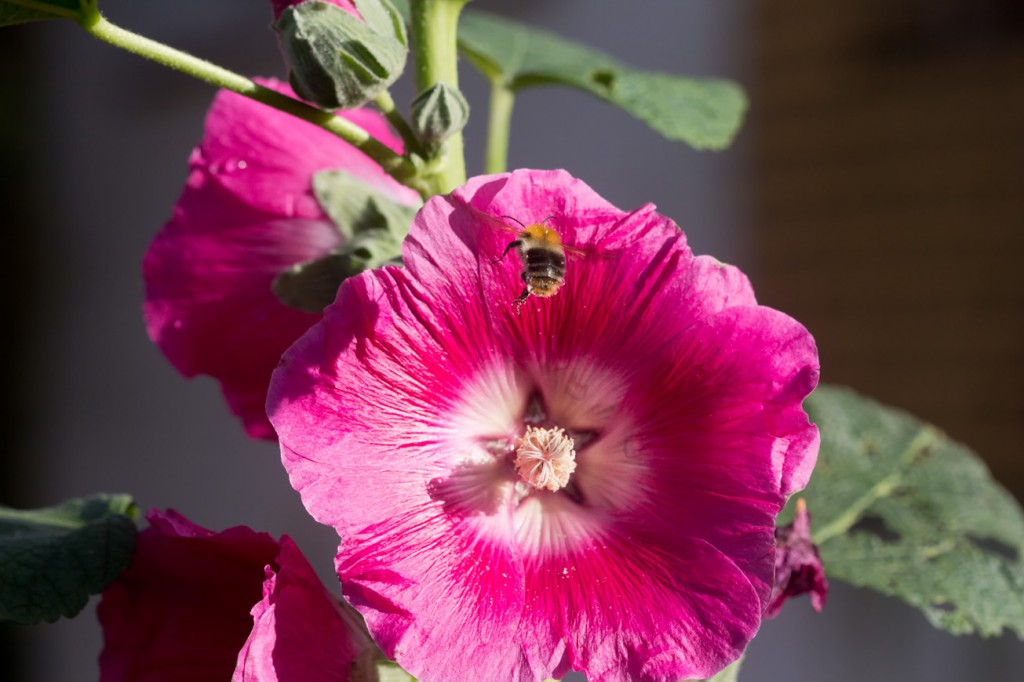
545	458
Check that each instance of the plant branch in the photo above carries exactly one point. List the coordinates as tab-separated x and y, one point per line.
394	164
386	105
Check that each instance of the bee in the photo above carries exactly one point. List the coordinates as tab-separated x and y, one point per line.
542	254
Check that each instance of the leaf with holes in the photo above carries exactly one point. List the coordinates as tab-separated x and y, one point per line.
902	509
705	113
52	559
23	11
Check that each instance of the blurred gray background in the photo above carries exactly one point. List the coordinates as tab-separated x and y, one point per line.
94	146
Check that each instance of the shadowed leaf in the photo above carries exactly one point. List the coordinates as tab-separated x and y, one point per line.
52	559
23	11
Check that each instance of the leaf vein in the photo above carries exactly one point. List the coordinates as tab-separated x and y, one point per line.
921	442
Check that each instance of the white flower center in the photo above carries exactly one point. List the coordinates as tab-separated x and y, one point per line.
545	458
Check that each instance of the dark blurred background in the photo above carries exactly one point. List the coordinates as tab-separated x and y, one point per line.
875	194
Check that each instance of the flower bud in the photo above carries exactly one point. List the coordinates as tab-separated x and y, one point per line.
438	112
798	566
338	61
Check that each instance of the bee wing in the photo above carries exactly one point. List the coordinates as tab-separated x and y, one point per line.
496	223
577	252
492	222
589	253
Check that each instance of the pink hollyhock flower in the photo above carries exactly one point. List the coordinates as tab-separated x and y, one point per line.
798	567
182	611
247	213
589	485
281	5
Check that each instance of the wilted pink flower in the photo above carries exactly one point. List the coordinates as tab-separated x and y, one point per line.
247	213
412	416
798	567
281	5
182	611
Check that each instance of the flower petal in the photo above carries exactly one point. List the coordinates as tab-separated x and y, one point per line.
381	564
181	611
246	214
266	156
209	303
634	269
300	631
656	562
629	612
279	6
715	415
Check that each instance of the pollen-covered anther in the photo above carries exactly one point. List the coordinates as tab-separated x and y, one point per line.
545	458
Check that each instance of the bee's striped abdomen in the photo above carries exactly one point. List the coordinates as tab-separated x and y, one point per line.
543	263
543	257
543	270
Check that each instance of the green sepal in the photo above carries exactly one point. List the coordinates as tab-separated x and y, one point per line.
389	671
731	673
52	559
312	286
438	112
705	113
899	507
373	225
338	61
23	11
354	205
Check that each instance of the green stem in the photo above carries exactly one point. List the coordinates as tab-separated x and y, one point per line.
434	30
499	123
386	105
401	169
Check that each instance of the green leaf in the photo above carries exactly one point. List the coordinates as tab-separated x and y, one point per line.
899	507
356	206
373	224
312	286
52	559
706	113
23	11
